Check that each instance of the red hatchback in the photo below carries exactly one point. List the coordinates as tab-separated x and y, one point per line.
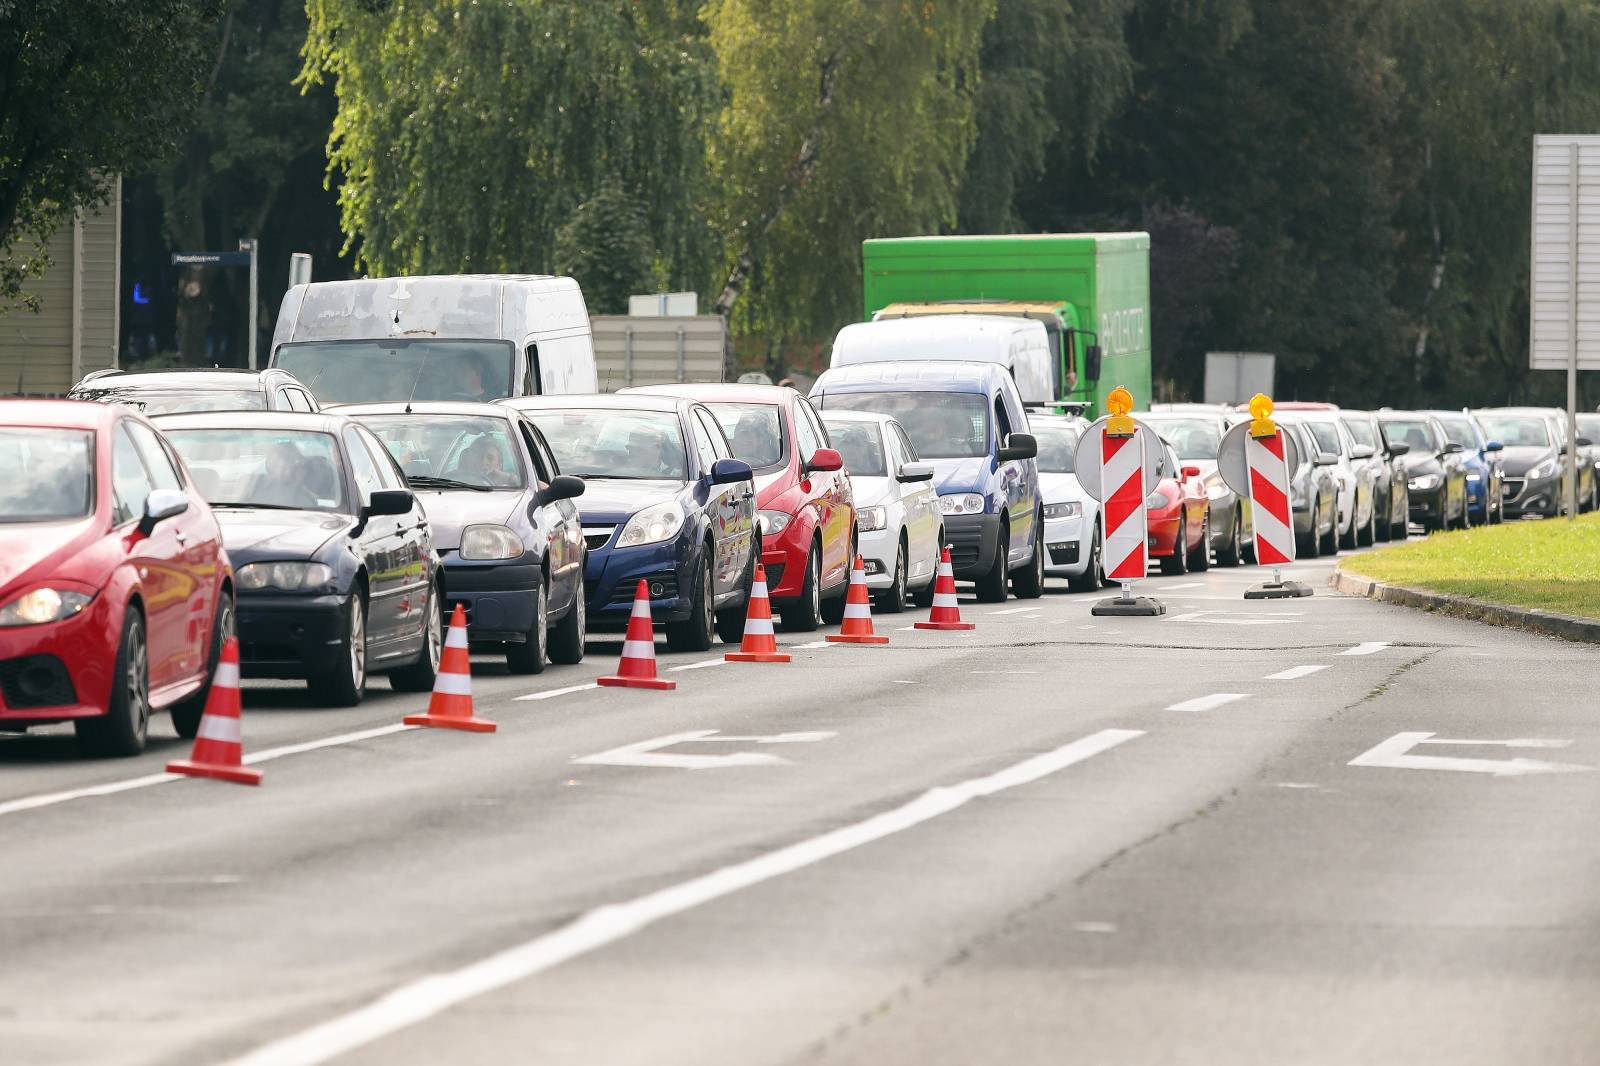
1179	513
115	592
806	509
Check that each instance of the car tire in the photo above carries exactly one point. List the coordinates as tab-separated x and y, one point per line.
893	599
1348	541
533	654
1028	584
1178	562
1330	541
831	608
572	632
1199	564
187	714
122	730
730	621
1094	574
923	597
346	683
993	585
805	613
1232	553
421	675
697	632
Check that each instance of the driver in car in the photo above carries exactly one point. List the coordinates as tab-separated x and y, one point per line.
656	455
482	463
283	480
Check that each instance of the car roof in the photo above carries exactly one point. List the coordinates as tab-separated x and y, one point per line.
1191	408
1068	421
1169	415
329	422
1298	405
599	401
1388	414
1540	412
1449	414
855	416
941	376
191	378
420	407
65	414
718	392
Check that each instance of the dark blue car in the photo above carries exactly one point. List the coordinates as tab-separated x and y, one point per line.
666	504
1481	458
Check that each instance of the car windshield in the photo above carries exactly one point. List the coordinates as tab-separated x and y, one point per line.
470	450
597	442
278	468
1361	430
1058	448
1459	431
400	368
861	445
942	425
49	474
176	402
755	432
1410	431
1191	438
1516	431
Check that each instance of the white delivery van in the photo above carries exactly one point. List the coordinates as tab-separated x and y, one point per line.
1021	345
453	337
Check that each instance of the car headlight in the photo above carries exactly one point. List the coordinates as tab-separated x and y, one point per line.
1063	510
1544	469
653	525
290	577
43	605
1425	483
773	522
489	541
871	519
961	503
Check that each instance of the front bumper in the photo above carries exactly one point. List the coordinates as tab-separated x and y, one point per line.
784	556
879	549
500	598
1428	505
611	581
289	636
973	539
1163	534
1535	496
60	670
1067	542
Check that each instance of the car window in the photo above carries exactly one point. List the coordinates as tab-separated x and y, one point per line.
1516	431
251	467
906	447
702	443
389	474
130	482
543	467
805	438
817	427
600	442
862	448
1191	438
755	433
719	443
1459	431
362	466
156	462
1058	448
49	474
473	450
1002	423
1360	431
1325	435
942	425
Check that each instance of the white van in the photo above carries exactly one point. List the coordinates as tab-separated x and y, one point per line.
1021	345
455	337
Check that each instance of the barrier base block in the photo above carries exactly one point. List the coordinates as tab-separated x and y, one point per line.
1277	590
1129	607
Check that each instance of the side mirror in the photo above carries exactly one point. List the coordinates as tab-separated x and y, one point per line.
161	505
562	487
824	461
1494	446
1361	451
389	502
910	472
1327	459
1453	448
1019	446
1399	448
1191	471
1091	362
731	472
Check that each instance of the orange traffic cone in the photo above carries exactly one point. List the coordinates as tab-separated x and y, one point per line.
945	613
759	645
219	745
451	704
857	628
638	666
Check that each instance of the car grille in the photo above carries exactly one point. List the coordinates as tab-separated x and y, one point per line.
625	590
1510	489
36	681
774	576
964	545
1063	554
598	537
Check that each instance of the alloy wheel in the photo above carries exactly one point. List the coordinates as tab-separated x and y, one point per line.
138	684
358	642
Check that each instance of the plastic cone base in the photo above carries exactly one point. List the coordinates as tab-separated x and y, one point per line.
856	638
243	775
945	625
757	657
618	681
466	725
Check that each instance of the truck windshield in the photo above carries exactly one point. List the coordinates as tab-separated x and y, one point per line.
942	425
401	368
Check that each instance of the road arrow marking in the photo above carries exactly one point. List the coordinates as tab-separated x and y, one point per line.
1394	754
647	752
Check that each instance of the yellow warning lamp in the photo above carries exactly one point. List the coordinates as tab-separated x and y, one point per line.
1261	423
1119	401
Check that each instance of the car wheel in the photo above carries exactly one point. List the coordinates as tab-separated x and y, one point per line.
122	730
1330	540
346	683
893	600
992	585
1029	583
923	597
572	632
1094	574
533	654
1348	540
1178	561
730	622
421	675
696	632
1201	562
186	715
1231	553
805	614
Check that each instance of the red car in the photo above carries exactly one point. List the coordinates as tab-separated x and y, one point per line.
1179	513
806	509
115	591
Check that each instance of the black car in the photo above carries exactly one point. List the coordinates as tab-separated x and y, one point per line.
504	523
667	504
332	553
1436	475
186	391
1536	459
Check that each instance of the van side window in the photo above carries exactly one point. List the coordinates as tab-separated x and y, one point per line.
1002	422
532	382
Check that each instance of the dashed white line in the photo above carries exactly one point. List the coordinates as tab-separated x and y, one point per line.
550	694
701	665
428	996
1206	703
817	644
1013	610
1184	585
1294	673
1366	649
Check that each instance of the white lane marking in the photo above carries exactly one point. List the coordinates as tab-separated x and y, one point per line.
1188	616
1005	673
647	752
902	682
1294	673
905	629
818	644
1091	625
1013	610
702	664
428	996
48	799
1206	703
550	694
1394	754
1184	585
1366	649
1095	927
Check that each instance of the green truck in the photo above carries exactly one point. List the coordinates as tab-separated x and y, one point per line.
1091	291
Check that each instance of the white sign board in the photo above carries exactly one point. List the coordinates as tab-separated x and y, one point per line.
1566	251
1234	377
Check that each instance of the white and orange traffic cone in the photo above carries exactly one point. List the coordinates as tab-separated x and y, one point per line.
450	707
219	745
638	666
759	644
857	628
946	614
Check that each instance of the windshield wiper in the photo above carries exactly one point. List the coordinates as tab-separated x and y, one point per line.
239	505
431	482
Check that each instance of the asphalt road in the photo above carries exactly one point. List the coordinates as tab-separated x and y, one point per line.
1231	835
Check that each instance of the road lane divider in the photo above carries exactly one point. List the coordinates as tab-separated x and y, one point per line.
1367	648
607	924
1294	673
1206	703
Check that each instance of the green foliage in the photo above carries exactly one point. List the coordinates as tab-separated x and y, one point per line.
88	88
606	246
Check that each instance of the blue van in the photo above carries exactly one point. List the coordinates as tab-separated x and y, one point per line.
968	422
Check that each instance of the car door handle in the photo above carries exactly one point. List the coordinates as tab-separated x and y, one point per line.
181	536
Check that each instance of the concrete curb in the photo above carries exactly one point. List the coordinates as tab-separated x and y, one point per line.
1565	626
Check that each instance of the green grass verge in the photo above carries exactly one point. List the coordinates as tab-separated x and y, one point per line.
1552	564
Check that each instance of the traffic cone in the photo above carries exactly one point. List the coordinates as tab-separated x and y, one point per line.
638	666
945	614
759	645
219	745
857	628
451	704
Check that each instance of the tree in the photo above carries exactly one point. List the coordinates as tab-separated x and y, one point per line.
88	89
606	246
